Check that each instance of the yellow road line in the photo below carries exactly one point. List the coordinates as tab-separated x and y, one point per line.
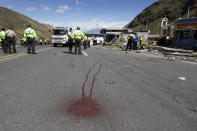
39	50
3	58
11	55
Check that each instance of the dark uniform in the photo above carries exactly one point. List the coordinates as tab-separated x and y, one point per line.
11	41
130	42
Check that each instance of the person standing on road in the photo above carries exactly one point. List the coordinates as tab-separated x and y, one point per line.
78	36
30	36
140	40
45	42
88	42
11	41
135	41
70	40
3	40
49	42
85	43
114	40
40	41
131	39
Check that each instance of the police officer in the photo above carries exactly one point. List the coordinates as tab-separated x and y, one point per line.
78	36
70	40
30	37
40	41
131	39
135	41
10	39
45	42
140	40
3	40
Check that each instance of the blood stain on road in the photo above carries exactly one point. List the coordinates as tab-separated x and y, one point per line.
86	106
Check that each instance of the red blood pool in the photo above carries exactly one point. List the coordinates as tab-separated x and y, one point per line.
85	107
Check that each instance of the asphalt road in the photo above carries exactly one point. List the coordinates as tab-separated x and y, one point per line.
132	92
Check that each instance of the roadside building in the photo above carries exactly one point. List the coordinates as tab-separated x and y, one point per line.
123	33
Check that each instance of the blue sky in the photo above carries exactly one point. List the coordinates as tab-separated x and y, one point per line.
84	13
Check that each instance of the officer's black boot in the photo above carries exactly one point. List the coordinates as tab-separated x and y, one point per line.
28	51
14	50
34	52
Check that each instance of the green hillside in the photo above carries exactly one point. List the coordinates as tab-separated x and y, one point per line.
152	15
19	22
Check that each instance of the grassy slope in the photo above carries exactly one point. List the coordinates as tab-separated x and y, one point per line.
19	22
154	13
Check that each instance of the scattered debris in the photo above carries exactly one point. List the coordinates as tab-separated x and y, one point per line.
173	54
189	62
138	51
182	54
166	49
182	78
191	109
135	71
109	82
172	58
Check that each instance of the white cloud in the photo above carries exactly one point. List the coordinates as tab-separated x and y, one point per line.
63	8
46	8
10	7
31	9
88	25
80	3
77	2
52	23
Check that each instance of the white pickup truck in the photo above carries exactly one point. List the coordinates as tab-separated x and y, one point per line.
59	36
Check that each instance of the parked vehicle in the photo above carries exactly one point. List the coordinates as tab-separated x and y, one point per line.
59	36
95	39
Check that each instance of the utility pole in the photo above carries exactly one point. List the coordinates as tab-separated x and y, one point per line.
188	12
97	29
146	24
196	9
193	3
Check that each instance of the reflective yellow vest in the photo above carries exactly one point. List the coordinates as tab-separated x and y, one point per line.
78	35
2	35
141	38
131	36
29	32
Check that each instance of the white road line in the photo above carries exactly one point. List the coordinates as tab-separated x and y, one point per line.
85	54
189	62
